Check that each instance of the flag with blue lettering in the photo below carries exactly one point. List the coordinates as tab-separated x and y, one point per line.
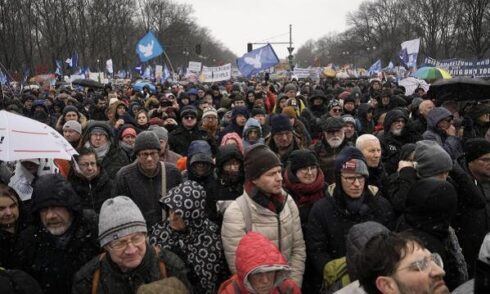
139	69
73	61
376	67
59	68
257	60
148	47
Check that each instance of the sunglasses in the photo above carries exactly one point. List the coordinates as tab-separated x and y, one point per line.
189	117
336	110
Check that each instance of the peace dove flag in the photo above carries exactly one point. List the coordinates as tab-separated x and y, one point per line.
148	47
257	60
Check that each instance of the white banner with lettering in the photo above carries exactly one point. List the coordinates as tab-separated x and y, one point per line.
194	66
215	74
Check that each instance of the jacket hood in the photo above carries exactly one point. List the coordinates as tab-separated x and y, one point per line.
255	253
187	199
363	109
54	190
436	115
391	116
101	124
252	123
227	152
233	136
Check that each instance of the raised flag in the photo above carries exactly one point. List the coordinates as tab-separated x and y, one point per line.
59	68
109	67
26	76
73	61
376	67
166	73
139	69
148	47
257	60
412	51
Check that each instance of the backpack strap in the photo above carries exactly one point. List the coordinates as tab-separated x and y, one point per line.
161	265
164	181
247	215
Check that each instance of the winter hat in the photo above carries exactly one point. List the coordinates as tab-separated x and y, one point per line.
351	160
128	132
199	151
99	130
54	190
280	123
331	124
70	108
406	151
188	110
347	118
258	110
436	115
290	112
475	148
333	103
167	285
119	217
289	87
73	125
188	200
301	158
431	159
259	159
210	111
161	132
146	140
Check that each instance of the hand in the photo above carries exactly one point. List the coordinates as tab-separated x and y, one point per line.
119	123
404	163
450	131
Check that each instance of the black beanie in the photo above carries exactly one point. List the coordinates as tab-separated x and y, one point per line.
301	158
475	148
54	190
259	159
70	108
280	123
146	140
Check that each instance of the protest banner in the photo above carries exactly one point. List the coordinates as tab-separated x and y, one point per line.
194	66
461	67
215	74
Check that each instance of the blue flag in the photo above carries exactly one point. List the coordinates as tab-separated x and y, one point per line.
73	61
148	47
139	69
376	67
166	73
26	76
257	60
403	57
59	68
4	79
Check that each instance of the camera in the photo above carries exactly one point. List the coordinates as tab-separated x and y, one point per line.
166	103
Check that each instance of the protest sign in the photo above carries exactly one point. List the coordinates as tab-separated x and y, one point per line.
215	74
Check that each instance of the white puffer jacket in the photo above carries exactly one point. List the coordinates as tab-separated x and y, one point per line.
264	221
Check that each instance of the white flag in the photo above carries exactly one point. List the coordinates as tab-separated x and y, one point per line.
109	67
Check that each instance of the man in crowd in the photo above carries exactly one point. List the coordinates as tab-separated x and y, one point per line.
371	150
166	155
282	140
72	132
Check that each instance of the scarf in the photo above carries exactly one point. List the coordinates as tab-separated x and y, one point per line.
126	147
273	202
101	151
304	194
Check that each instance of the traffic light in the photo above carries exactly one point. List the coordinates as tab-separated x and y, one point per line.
249	47
198	49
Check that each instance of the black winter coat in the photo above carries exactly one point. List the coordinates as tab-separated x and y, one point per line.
53	264
180	139
93	192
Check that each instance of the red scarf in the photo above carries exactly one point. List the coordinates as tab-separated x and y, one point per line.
273	202
305	194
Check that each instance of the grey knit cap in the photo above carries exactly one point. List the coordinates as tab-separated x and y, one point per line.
431	159
119	217
73	125
146	140
161	132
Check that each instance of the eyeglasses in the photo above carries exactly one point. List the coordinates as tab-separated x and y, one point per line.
189	117
87	164
308	169
137	239
352	180
424	264
336	109
148	154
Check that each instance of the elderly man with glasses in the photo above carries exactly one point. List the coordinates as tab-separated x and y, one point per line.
128	260
349	201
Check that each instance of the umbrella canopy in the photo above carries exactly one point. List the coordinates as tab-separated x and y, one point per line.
138	86
24	138
431	73
88	83
411	84
460	88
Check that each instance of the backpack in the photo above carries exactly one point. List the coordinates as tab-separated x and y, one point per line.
335	275
233	280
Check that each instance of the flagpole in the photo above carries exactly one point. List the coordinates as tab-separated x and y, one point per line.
169	62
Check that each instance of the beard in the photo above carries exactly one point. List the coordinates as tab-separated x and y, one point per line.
396	132
58	230
210	128
335	141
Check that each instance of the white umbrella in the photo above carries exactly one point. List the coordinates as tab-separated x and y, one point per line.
412	83
23	138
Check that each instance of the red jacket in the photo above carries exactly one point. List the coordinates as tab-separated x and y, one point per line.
255	251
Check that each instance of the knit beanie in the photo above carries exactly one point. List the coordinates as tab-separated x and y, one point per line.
70	108
54	190
189	110
146	140
289	87
289	111
301	158
161	132
475	148
280	123
73	125
351	160
259	159
128	132
347	118
431	159
210	111
119	217
99	130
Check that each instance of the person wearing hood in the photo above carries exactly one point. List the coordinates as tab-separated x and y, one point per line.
480	114
228	182
90	181
233	139
200	164
99	136
440	129
40	112
282	139
350	128
317	106
349	201
299	127
365	119
261	268
62	237
266	208
13	220
239	116
166	155
349	106
147	179
252	133
126	136
189	233
70	112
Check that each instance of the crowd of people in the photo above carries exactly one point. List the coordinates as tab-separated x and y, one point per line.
255	186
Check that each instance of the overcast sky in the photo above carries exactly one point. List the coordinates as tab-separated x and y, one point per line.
237	22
